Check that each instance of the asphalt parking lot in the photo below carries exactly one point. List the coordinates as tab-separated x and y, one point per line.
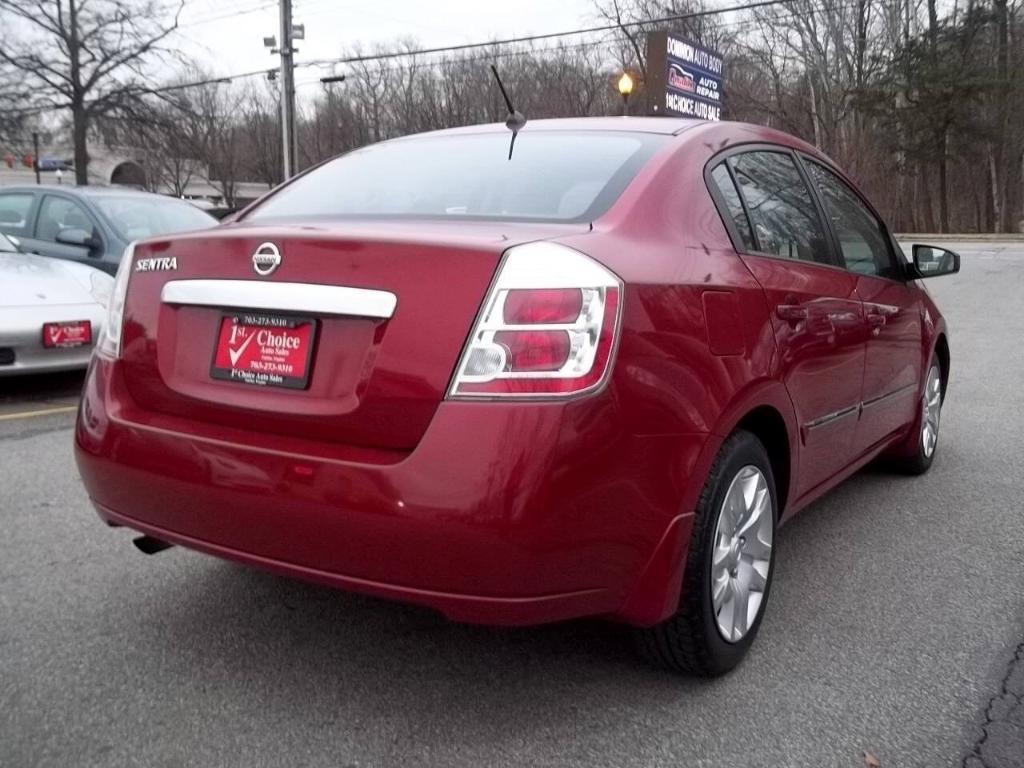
897	606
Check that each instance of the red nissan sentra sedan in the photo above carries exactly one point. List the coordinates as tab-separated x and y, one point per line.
589	379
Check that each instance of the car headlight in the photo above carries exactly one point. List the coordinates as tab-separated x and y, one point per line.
101	288
110	340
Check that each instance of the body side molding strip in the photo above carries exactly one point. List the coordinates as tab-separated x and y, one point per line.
887	395
829	417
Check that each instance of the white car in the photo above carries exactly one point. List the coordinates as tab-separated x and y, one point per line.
51	311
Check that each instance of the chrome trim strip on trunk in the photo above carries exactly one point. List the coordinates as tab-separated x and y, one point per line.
307	298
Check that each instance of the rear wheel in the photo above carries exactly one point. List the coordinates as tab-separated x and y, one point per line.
925	436
728	570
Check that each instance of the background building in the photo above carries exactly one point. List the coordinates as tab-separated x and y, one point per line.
119	165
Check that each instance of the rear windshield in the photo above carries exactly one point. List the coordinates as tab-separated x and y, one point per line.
551	176
138	217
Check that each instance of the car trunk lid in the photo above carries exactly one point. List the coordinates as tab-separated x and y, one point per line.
366	320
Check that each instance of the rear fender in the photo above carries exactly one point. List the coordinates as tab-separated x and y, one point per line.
764	393
655	595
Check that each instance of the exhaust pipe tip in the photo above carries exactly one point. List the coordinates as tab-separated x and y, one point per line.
150	546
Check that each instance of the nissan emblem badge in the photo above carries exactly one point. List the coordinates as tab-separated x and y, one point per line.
266	259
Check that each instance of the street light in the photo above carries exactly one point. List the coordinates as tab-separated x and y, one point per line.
625	88
328	83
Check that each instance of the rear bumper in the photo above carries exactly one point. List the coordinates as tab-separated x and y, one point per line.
460	607
503	514
21	331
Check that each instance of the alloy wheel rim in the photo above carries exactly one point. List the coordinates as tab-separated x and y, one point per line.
742	553
931	410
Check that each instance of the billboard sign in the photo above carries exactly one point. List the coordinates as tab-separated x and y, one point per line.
685	78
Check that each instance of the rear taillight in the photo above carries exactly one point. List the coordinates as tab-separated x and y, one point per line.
547	328
109	344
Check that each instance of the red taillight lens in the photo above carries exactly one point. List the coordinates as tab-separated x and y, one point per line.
534	350
544	305
548	326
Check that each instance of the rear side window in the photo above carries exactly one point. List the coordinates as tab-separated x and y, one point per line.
782	212
862	239
734	208
14	208
551	176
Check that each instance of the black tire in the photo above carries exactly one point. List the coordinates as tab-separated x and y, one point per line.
690	642
913	458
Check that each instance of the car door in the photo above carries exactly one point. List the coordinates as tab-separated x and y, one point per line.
817	316
892	365
59	214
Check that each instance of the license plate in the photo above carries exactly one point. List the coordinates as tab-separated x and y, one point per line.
265	350
75	333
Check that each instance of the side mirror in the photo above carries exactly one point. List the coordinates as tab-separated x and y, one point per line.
76	236
932	261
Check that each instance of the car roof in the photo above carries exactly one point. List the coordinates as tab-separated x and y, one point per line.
663	125
722	133
87	192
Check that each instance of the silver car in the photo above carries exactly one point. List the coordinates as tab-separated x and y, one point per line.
92	225
51	311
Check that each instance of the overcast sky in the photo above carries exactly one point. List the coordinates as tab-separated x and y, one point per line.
226	36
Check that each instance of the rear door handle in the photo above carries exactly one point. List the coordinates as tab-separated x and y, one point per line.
793	313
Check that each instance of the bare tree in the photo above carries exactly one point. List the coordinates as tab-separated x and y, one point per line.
923	101
260	133
165	134
88	58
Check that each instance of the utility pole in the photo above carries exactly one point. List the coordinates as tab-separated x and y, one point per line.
35	154
287	92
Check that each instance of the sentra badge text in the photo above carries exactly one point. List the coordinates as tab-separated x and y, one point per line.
161	264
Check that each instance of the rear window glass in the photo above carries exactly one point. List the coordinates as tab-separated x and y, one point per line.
551	176
136	218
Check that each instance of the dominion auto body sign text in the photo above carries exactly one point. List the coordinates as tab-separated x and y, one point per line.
685	78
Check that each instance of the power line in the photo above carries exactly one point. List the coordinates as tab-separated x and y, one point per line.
542	51
241	10
548	35
471	59
447	49
151	91
532	51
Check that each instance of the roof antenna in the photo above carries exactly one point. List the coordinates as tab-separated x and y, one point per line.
515	120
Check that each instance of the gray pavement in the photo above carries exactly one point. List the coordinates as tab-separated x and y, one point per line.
897	608
52	391
1000	739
